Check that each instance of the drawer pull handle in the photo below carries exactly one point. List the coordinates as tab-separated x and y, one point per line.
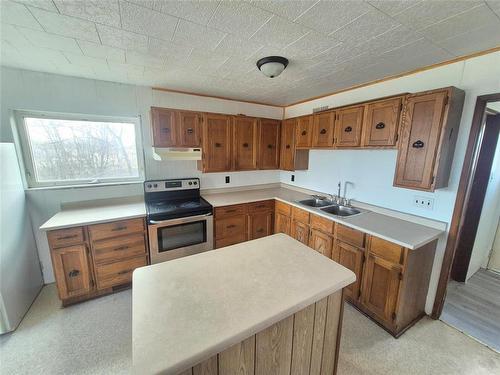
348	129
323	131
217	144
165	130
304	132
73	273
261	206
418	144
380	125
118	228
230	211
124	272
124	247
67	237
231	226
260	230
189	130
245	144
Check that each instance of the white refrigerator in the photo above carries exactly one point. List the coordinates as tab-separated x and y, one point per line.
20	274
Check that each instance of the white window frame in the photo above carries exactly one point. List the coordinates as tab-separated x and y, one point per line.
27	157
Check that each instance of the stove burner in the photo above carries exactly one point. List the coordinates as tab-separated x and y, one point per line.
190	204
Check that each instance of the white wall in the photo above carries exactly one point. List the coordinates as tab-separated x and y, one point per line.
21	89
372	172
489	219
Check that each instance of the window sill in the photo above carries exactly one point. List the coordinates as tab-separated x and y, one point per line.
83	186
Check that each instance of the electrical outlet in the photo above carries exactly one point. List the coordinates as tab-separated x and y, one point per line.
227	180
423	202
292	178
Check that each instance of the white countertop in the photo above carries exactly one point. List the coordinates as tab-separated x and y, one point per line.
102	211
402	232
188	309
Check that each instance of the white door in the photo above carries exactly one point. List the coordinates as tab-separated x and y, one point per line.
494	263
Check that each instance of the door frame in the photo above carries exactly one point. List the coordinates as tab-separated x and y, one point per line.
461	201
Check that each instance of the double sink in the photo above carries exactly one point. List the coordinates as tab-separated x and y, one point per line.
330	207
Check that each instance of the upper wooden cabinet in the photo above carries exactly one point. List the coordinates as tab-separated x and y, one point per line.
245	143
304	131
429	130
291	159
269	141
380	125
348	125
323	129
216	149
173	128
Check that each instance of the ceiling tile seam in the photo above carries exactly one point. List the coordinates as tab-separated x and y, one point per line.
491	9
32	15
80	47
453	16
55	5
305	11
120	14
349	23
261	26
213	14
173	34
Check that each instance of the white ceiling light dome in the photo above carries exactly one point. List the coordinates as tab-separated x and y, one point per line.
272	66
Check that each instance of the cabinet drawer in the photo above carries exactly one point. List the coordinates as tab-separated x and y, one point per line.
119	248
300	215
65	237
236	209
231	226
228	241
260	206
322	224
386	250
117	273
349	235
283	208
115	228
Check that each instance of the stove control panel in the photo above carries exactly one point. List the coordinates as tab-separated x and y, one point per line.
171	185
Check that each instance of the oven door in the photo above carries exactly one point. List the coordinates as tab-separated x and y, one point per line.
176	238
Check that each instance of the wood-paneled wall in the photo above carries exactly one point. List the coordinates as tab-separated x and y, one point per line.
305	343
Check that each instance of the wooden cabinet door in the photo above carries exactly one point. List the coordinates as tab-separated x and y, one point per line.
216	143
321	242
71	270
380	288
188	129
269	138
348	127
244	143
281	223
381	122
350	257
304	131
323	129
260	225
300	232
287	160
420	132
163	122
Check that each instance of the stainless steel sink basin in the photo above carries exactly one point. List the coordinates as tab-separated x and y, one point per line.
315	202
341	210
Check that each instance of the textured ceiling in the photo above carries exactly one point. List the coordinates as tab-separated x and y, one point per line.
210	47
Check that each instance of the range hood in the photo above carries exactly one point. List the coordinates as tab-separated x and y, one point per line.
176	153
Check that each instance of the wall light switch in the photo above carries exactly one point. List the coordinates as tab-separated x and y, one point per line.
423	202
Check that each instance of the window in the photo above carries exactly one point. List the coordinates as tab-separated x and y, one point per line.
70	150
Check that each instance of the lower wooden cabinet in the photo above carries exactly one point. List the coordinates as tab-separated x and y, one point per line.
71	269
243	222
91	260
300	231
321	242
281	223
353	258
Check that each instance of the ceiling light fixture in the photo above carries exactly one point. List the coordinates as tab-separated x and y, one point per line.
272	66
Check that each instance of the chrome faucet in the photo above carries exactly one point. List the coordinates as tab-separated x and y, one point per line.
338	185
346	201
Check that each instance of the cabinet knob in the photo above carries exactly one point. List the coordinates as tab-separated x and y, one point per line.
217	144
287	146
260	230
418	144
189	130
245	144
323	131
380	125
73	273
304	132
269	146
348	129
165	130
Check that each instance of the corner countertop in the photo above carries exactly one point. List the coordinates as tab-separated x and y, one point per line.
202	304
403	232
96	212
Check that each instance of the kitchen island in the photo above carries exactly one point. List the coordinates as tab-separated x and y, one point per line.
267	306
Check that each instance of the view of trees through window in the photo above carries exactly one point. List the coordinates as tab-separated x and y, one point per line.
69	150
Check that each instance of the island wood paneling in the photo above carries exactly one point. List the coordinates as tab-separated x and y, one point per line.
305	343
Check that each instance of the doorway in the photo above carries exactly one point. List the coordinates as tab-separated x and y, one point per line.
470	300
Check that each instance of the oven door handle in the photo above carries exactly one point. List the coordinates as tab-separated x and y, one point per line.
179	220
